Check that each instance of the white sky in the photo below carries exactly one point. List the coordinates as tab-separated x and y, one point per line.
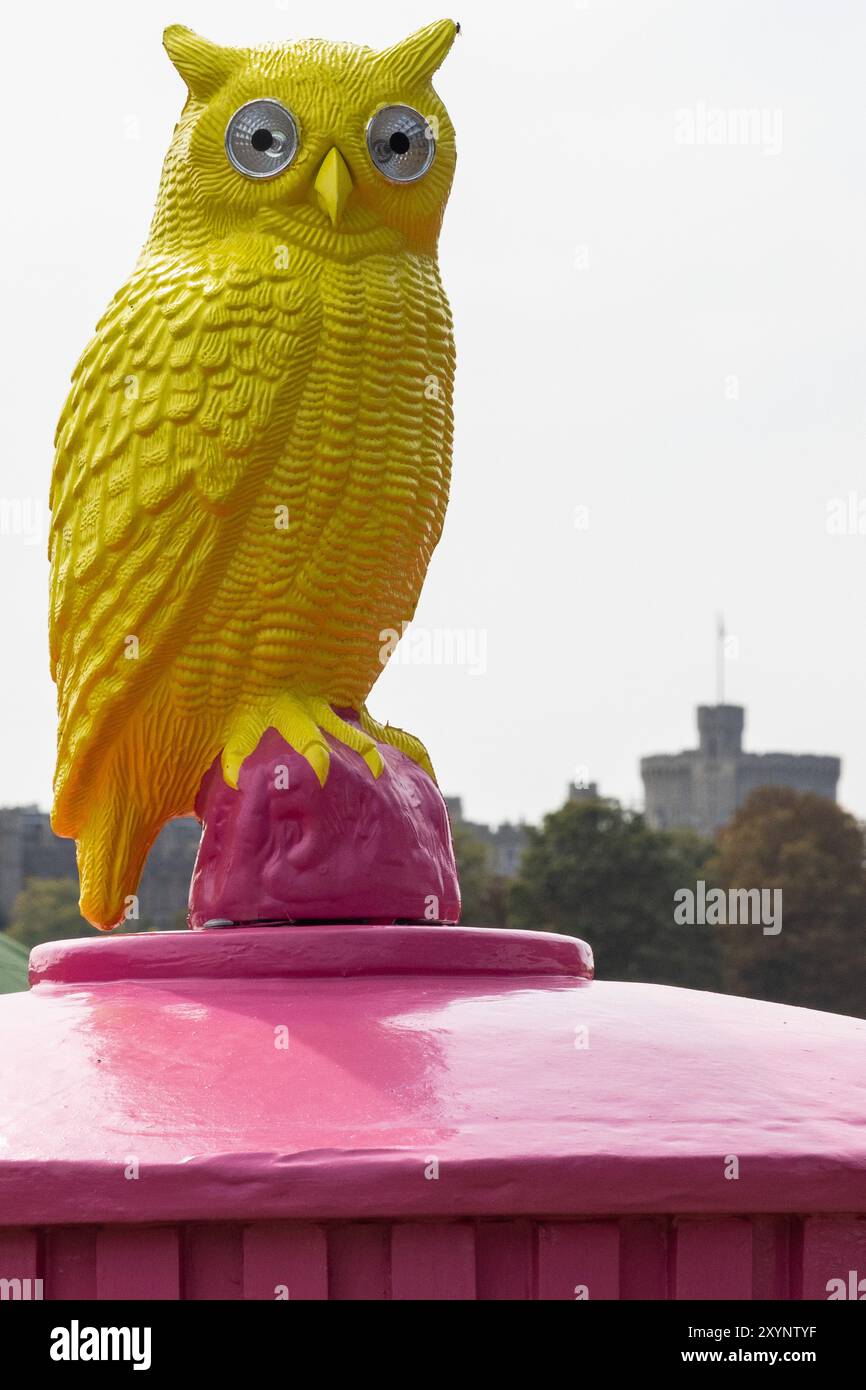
608	281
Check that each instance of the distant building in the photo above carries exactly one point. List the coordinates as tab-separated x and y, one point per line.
30	849
506	844
702	788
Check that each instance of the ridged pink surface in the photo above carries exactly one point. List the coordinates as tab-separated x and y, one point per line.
719	1258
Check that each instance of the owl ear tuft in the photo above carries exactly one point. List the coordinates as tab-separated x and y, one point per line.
421	54
204	66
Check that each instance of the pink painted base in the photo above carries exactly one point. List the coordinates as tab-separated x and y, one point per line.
284	849
412	1112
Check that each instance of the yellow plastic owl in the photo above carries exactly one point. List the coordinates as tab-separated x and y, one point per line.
253	463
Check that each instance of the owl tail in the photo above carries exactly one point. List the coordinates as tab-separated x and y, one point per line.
112	846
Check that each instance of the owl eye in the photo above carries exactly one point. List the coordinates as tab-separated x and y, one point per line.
262	139
401	143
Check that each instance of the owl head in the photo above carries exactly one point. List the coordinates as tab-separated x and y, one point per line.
342	149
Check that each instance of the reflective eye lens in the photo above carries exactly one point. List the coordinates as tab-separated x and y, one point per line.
262	139
401	143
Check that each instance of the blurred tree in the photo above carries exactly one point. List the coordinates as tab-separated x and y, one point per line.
47	910
814	851
482	892
597	871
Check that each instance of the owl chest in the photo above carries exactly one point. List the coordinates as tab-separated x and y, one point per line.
376	399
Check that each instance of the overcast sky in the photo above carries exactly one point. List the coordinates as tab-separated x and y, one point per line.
655	256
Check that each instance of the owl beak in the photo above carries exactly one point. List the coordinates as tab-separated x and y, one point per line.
333	185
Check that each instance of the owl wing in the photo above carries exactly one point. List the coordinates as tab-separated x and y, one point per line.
176	408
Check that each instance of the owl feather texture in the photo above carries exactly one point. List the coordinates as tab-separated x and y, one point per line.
252	466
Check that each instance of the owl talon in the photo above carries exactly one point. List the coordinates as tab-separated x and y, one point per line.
318	755
231	763
302	720
350	735
397	738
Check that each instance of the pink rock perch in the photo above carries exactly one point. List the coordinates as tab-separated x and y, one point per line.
284	849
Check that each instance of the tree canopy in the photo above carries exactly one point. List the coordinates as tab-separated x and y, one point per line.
482	891
46	909
813	851
597	871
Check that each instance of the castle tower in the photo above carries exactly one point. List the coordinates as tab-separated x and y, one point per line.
700	789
